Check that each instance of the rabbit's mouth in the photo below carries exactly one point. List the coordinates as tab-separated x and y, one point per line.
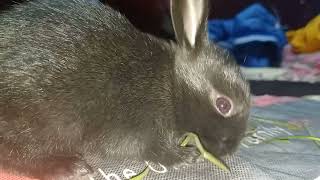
221	147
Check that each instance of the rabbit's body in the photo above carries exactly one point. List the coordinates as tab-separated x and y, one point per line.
77	77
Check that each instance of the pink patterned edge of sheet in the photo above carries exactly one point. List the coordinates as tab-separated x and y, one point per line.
267	100
7	176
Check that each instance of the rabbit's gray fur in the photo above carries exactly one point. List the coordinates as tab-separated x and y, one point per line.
77	77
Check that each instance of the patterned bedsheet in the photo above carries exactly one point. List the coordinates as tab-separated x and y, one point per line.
258	156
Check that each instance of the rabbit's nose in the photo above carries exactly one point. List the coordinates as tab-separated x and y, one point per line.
223	143
224	139
226	143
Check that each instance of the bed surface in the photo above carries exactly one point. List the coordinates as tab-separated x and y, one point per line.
256	159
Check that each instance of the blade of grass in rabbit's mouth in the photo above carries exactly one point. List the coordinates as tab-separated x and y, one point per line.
191	138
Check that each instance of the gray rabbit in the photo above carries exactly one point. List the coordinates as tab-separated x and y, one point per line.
77	77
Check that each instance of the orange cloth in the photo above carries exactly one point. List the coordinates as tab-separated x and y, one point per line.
306	39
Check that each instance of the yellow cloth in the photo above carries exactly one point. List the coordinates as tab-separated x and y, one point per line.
306	39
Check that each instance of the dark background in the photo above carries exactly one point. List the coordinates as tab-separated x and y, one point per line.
149	15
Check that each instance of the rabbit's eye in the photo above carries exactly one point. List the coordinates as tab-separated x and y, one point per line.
223	105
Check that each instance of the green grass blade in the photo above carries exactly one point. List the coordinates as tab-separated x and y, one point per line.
204	153
313	138
143	174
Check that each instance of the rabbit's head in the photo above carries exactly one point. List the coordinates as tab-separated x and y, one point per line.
213	99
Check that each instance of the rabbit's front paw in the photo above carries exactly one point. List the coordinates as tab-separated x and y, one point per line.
187	156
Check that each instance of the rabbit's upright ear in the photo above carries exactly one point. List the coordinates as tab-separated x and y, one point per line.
189	19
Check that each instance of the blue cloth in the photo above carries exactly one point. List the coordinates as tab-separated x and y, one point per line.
253	30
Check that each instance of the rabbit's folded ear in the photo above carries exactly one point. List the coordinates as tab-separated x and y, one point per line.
189	20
